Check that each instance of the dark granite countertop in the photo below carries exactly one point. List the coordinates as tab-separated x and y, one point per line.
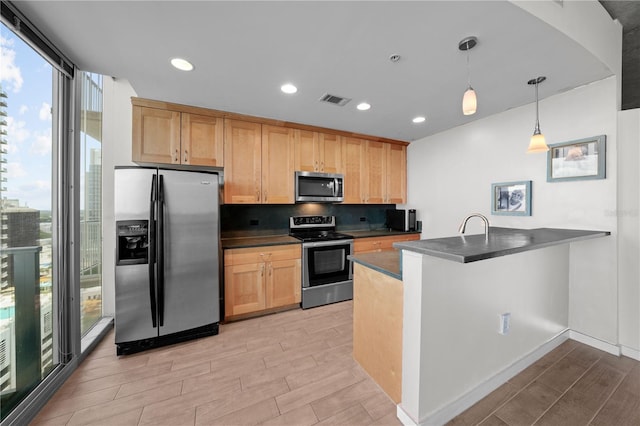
386	262
245	240
377	233
257	241
502	242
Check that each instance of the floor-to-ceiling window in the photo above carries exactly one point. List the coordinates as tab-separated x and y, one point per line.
90	200
28	220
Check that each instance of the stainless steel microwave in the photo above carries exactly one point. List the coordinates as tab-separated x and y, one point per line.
319	187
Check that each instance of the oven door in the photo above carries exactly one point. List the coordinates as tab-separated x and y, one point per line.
326	262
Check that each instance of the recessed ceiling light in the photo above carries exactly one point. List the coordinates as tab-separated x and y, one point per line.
419	119
289	88
182	64
363	106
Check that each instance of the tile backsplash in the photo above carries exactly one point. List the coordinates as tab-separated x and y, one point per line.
257	219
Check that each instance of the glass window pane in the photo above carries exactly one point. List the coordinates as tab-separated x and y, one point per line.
90	200
28	349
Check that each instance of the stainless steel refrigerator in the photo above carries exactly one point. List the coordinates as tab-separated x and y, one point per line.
167	257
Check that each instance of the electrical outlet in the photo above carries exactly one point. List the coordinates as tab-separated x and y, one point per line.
505	323
363	219
254	222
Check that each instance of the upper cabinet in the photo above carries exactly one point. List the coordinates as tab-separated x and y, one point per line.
277	165
260	155
243	162
202	140
167	136
156	135
353	168
258	163
396	156
317	151
374	172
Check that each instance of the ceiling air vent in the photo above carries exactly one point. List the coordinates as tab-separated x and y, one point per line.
333	99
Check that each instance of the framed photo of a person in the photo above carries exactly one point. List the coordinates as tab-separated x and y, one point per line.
511	198
577	160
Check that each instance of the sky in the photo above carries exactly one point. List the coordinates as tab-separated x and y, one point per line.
27	79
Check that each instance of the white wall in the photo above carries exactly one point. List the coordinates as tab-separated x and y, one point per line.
450	175
116	151
629	230
452	349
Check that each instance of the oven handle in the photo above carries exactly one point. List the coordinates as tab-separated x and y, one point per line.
326	243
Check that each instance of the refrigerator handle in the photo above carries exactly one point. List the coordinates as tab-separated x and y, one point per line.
161	250
152	252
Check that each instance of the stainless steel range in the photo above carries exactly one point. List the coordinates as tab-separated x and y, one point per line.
327	274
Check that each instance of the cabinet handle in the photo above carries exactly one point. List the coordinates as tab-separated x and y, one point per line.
186	156
322	166
262	270
177	157
258	195
265	196
315	165
270	269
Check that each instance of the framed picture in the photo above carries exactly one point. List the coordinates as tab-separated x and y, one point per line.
577	160
511	198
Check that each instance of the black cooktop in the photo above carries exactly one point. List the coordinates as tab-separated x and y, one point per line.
315	228
314	236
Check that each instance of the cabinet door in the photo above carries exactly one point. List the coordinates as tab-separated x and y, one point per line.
306	151
244	289
396	174
330	147
283	283
202	140
242	162
277	165
156	135
353	170
376	183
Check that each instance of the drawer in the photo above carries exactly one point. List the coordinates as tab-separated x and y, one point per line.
262	254
371	244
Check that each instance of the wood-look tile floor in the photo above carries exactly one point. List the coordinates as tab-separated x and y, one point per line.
296	368
573	385
290	368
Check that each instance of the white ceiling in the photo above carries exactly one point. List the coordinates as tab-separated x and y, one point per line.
244	51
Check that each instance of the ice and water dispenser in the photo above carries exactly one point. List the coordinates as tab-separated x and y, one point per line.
133	242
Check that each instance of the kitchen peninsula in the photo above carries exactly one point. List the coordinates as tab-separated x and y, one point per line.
475	311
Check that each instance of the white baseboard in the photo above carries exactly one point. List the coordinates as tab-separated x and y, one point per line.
631	353
404	417
596	343
467	400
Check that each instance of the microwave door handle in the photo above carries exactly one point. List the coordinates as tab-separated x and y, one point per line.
335	187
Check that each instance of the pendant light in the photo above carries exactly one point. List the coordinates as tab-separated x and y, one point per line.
469	101
537	142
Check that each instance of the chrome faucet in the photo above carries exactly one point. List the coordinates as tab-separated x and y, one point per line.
463	225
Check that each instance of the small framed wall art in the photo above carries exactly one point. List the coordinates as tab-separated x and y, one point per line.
511	198
577	160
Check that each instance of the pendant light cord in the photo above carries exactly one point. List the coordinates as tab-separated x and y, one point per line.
537	129
468	72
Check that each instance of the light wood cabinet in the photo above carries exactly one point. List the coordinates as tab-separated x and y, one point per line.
202	140
353	150
243	162
260	156
173	137
375	244
375	172
259	163
375	190
261	279
277	165
317	152
396	173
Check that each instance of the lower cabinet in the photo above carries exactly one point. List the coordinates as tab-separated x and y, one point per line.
374	244
261	278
